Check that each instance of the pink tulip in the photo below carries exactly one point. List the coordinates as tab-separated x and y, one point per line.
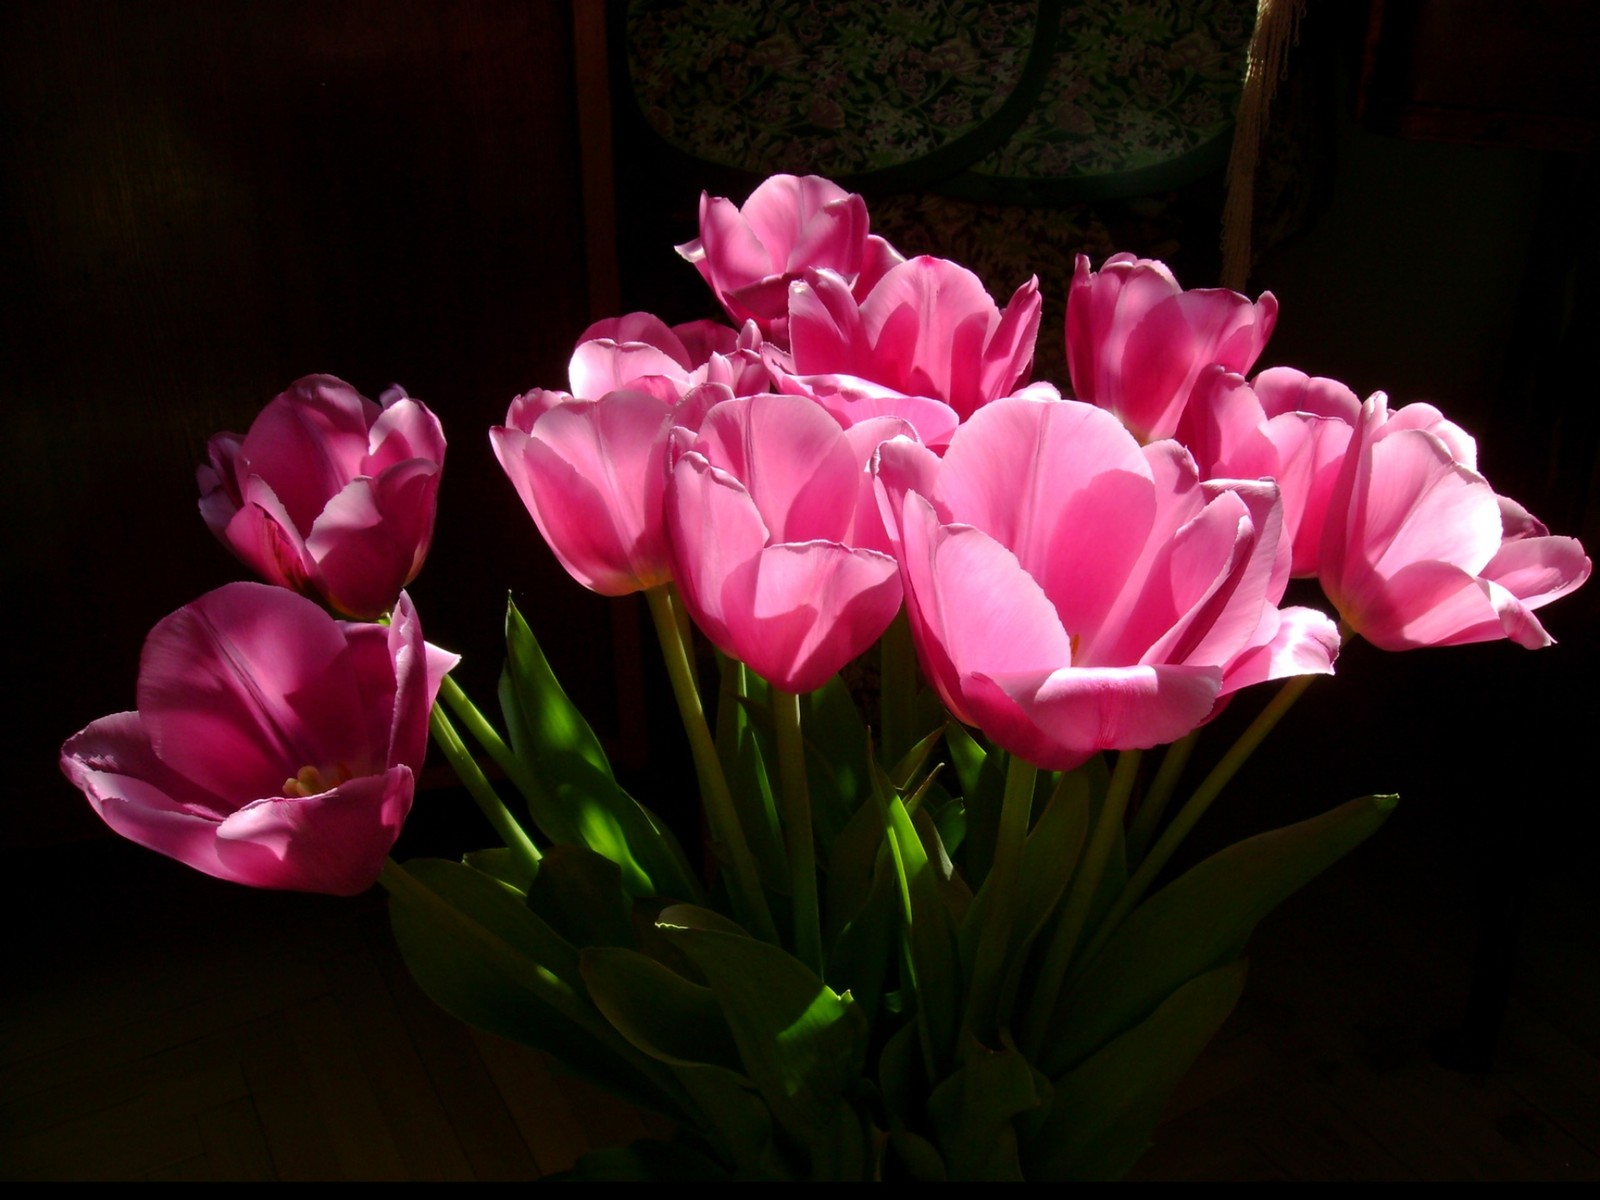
927	329
329	493
640	352
272	745
592	474
788	225
1417	549
1284	425
1137	342
771	540
1070	592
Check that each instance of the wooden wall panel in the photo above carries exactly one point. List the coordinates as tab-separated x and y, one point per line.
201	202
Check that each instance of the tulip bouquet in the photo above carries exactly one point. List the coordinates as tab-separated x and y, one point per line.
922	936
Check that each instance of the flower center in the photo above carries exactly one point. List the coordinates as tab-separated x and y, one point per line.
309	781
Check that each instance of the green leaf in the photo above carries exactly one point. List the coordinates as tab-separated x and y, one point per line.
658	1011
801	1043
477	950
681	1023
498	862
983	817
910	766
751	786
581	802
549	720
1198	922
837	755
579	893
973	1110
953	889
966	756
1105	1110
862	955
930	930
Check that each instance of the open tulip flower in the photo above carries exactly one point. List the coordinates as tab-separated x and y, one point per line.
1137	342
771	541
272	745
788	225
642	352
1283	425
1071	592
329	493
926	329
1418	550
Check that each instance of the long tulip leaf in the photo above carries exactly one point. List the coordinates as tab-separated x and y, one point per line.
1195	924
1102	1113
801	1043
483	956
930	929
581	801
974	1111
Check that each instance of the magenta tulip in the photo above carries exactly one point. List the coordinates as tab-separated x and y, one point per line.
640	352
272	745
1070	592
771	541
788	225
928	329
1284	425
1418	550
329	494
1137	342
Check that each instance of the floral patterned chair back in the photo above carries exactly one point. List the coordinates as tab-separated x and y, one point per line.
1010	134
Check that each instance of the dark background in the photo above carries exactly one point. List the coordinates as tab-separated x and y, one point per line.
200	202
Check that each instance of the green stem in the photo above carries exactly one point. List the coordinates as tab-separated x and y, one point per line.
489	802
1154	804
726	831
1210	788
485	734
797	828
1080	899
994	944
897	690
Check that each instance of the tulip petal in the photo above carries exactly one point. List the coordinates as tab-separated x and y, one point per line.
714	528
1294	641
335	842
1423	505
244	687
1087	709
143	800
308	442
797	613
793	460
373	535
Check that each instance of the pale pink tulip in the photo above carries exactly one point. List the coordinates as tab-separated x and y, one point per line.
1284	425
329	493
1417	549
272	745
1137	342
771	541
640	352
927	329
789	224
1070	592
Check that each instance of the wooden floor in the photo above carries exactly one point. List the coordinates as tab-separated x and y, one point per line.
160	1025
